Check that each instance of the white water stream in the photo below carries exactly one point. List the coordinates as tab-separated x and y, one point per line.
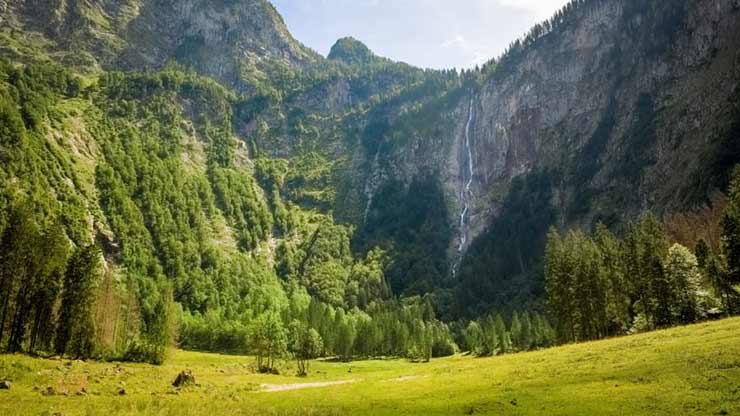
466	192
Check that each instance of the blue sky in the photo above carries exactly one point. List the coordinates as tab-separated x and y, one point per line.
425	33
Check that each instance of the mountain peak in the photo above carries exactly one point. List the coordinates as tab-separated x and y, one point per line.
351	51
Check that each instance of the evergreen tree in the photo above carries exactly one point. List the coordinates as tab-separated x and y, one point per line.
516	331
645	248
490	337
47	286
702	253
559	286
76	326
345	339
474	338
525	339
729	282
617	302
18	253
504	337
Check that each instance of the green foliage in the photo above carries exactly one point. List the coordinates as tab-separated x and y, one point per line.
412	225
32	262
268	341
351	51
502	267
728	280
76	327
658	374
490	336
304	344
681	265
602	286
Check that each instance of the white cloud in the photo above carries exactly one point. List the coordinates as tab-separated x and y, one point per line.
542	9
458	42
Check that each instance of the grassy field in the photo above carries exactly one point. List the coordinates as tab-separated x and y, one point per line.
682	371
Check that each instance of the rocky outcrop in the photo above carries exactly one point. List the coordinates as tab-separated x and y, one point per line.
231	41
627	103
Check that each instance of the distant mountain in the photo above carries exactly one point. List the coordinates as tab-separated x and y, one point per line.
351	51
609	109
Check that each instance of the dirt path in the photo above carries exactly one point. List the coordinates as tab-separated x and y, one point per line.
404	378
273	388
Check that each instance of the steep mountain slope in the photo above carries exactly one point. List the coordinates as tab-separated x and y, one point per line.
235	42
611	108
627	107
607	110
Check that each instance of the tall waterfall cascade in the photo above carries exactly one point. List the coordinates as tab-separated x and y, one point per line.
466	194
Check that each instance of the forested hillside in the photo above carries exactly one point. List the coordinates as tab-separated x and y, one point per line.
187	172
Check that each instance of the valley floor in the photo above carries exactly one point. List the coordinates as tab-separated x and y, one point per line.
681	371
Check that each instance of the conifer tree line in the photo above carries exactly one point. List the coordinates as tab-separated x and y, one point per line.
309	328
47	288
600	285
491	335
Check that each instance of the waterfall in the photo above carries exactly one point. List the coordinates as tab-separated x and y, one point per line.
466	192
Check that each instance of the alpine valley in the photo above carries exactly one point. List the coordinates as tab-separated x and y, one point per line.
185	172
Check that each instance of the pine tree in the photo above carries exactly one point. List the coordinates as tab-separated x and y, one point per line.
516	331
504	337
618	302
76	327
730	281
490	337
702	253
18	251
559	286
474	338
646	247
525	340
47	287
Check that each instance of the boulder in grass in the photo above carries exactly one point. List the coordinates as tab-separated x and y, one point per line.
184	379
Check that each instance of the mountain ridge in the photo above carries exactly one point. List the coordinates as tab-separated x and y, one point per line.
588	118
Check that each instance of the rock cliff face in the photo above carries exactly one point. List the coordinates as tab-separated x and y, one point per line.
231	41
628	104
624	102
625	106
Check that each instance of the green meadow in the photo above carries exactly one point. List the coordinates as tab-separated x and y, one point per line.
681	371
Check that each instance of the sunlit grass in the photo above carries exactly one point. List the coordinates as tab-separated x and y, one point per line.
682	371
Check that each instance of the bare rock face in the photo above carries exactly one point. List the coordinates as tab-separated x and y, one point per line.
617	81
230	41
618	101
225	40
